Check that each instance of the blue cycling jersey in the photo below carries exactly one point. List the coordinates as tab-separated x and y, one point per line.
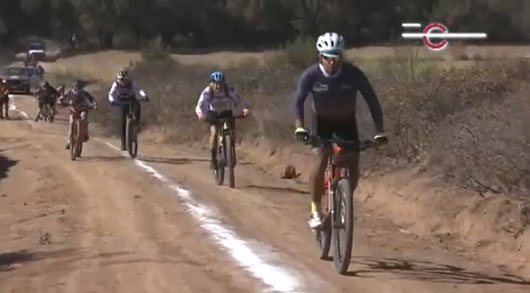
334	97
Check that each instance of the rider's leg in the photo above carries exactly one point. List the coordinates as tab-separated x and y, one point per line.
232	124
84	117
316	184
213	146
348	130
70	123
322	129
54	109
41	105
123	128
212	118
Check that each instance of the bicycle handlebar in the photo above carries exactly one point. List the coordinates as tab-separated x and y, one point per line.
354	144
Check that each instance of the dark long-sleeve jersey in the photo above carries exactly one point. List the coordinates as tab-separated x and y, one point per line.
334	97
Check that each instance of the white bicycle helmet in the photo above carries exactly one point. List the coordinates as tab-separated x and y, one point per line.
330	44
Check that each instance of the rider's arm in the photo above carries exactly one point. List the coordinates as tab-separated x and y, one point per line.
371	99
64	98
203	102
138	89
239	103
302	91
112	92
90	98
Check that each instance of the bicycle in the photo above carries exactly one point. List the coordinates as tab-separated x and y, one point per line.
337	201
79	133
225	140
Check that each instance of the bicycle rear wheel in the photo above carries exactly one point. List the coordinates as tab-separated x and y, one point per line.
132	137
342	224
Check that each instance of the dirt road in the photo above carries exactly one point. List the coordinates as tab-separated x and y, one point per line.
107	223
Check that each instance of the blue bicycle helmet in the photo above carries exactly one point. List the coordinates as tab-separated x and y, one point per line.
217	76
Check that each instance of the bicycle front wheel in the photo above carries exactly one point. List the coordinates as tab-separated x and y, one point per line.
342	223
132	137
219	172
74	141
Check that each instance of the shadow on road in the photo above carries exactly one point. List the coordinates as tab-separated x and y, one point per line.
276	189
172	161
5	165
7	260
370	267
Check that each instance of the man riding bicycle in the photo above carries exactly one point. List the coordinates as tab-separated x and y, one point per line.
46	95
122	92
80	101
333	85
218	100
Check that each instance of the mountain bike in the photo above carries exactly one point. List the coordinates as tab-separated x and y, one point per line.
79	133
131	125
226	152
337	200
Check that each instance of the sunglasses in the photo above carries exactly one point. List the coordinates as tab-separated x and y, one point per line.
329	59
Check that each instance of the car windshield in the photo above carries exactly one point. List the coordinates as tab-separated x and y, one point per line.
14	71
36	46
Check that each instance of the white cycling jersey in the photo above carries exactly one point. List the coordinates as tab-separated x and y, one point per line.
225	101
117	92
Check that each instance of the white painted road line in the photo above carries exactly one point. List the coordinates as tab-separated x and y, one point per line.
278	278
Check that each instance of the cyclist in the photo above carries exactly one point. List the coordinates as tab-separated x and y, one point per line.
333	85
4	99
122	92
218	100
46	95
79	100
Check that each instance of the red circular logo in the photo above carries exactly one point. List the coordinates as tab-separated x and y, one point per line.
435	27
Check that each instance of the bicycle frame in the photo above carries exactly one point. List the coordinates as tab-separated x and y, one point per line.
332	175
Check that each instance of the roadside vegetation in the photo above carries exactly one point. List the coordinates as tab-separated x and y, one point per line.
466	119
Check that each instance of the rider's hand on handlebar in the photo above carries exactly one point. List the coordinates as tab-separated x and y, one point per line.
301	134
246	112
381	139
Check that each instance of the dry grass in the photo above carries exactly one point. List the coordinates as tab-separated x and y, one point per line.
464	118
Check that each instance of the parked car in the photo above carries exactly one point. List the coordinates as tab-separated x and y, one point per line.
17	76
37	49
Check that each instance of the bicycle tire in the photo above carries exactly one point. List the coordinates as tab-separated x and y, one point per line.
80	139
220	170
132	137
342	224
75	141
230	160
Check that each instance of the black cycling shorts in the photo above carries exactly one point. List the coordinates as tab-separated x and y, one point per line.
345	128
213	117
